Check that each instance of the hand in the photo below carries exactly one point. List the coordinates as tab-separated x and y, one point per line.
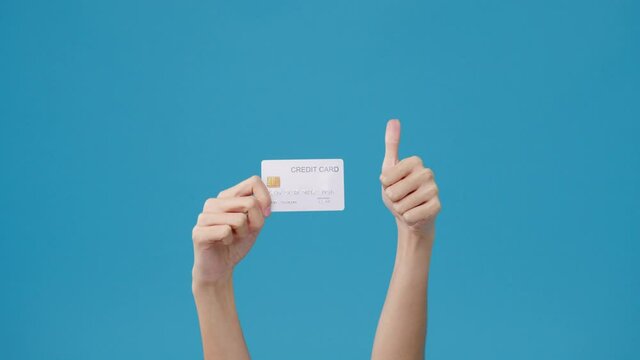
227	229
408	188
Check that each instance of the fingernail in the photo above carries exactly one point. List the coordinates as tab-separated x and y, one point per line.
267	211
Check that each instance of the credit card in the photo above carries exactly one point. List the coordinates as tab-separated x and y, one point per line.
304	184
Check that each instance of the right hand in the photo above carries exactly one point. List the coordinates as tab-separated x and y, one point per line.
227	228
408	188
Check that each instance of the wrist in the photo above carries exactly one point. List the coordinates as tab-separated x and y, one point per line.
408	236
201	286
414	244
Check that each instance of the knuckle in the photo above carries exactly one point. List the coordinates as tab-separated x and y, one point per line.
430	192
253	202
244	219
226	231
209	203
195	234
241	220
227	192
390	193
427	173
255	179
200	218
384	177
397	207
438	205
415	159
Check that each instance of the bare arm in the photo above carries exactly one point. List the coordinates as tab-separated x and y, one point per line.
226	230
219	324
410	193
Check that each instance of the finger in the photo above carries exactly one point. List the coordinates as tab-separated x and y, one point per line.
422	213
416	198
256	218
251	186
237	221
232	204
407	185
212	234
391	142
245	204
396	173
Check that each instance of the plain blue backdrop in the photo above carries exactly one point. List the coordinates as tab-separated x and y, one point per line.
119	118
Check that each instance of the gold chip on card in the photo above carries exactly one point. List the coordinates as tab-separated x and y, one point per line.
273	181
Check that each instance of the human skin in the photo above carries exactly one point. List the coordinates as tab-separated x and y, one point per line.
228	227
410	193
225	231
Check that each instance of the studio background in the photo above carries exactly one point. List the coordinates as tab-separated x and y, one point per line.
119	118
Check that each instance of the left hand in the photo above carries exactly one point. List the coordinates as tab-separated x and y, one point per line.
408	188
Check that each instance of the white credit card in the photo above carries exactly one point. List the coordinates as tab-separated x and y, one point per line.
305	185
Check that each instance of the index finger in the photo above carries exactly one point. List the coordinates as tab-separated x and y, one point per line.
251	186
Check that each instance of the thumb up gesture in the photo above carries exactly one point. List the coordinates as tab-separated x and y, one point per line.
408	188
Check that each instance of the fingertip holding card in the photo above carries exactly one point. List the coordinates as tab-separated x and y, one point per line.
304	184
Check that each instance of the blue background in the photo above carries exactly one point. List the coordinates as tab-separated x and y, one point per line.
119	118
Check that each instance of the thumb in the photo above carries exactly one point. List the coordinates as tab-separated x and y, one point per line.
391	142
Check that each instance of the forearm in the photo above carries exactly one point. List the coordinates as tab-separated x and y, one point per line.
402	327
219	324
